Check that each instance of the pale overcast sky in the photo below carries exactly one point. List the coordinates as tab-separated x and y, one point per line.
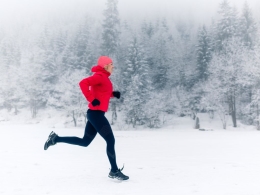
199	10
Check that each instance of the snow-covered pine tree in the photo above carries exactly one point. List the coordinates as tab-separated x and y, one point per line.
43	61
125	39
60	44
227	30
216	100
225	74
70	99
147	33
184	57
249	108
54	49
3	78
247	33
36	91
148	29
146	39
160	58
76	61
137	82
204	51
227	24
83	47
182	70
10	53
110	42
46	45
111	29
247	27
118	77
69	56
4	101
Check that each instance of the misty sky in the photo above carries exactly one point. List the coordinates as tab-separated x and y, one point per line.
12	11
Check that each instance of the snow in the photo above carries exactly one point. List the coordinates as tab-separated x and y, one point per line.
173	160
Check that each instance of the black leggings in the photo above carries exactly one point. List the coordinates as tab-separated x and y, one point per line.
97	123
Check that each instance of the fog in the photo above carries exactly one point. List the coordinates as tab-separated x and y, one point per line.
162	63
35	11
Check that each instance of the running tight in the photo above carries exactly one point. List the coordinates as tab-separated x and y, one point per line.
97	123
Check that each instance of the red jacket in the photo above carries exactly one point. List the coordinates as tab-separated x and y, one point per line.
98	86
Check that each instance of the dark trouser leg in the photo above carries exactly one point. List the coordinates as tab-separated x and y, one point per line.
89	135
111	151
101	124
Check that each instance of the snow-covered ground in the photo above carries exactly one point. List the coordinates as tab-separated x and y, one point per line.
175	160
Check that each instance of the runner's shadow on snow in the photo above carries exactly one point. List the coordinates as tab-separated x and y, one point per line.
118	181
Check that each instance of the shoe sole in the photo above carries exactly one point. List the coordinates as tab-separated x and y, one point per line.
45	146
113	177
46	143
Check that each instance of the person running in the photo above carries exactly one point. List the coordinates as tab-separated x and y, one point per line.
98	96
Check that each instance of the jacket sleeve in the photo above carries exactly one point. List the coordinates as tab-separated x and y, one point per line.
86	83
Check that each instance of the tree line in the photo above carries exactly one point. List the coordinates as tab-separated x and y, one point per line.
161	67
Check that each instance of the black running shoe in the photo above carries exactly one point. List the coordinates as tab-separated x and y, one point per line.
51	140
118	175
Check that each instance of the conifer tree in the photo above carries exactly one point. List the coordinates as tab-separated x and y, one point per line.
203	54
110	33
227	25
36	90
136	79
160	54
247	27
83	47
110	42
69	97
184	57
10	54
227	75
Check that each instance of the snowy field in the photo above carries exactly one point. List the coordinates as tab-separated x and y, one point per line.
170	161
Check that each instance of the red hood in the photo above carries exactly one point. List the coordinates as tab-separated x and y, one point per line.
99	69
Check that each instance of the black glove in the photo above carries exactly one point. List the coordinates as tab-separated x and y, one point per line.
116	94
95	102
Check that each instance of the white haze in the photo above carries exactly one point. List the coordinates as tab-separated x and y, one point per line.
14	12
